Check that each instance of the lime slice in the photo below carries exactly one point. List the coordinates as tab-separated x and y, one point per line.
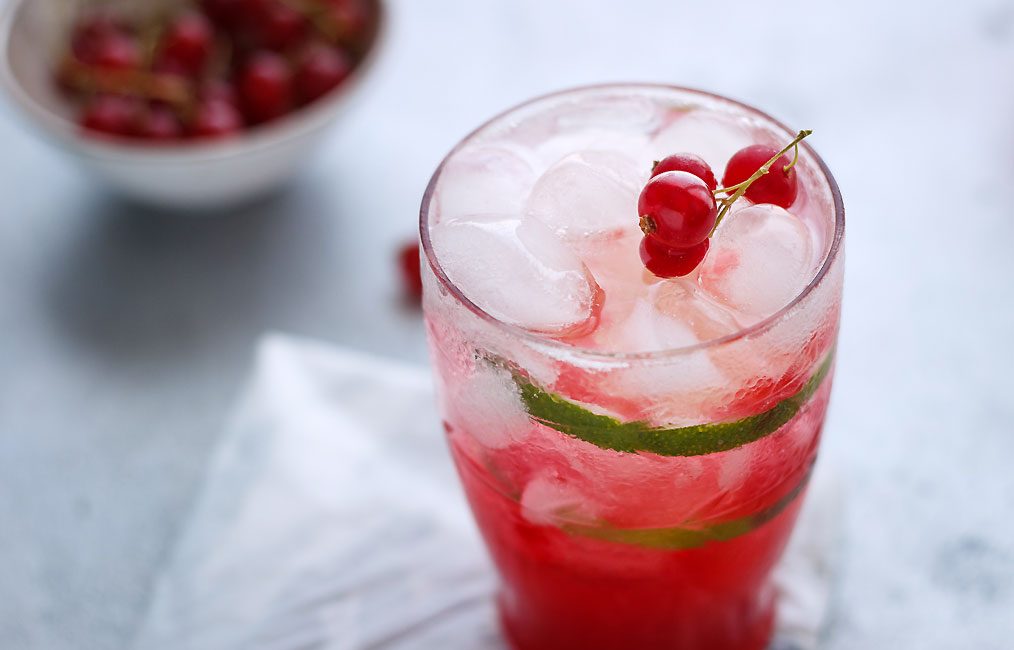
607	432
689	535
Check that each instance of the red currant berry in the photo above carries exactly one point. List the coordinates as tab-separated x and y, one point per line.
777	186
159	123
216	119
166	66
228	14
687	162
187	44
411	274
276	25
91	32
322	69
220	90
351	18
110	114
668	262
677	209
265	87
115	52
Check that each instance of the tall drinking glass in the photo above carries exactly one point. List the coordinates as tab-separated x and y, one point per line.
635	449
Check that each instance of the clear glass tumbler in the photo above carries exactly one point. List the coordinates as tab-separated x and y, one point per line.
636	500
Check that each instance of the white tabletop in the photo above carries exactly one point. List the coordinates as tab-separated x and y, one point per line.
124	335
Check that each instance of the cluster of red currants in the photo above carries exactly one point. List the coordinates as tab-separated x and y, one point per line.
213	69
679	211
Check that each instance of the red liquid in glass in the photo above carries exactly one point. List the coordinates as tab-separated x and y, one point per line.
562	591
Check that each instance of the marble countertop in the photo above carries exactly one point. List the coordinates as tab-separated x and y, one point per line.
124	335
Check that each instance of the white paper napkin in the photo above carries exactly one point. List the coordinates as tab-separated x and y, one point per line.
332	520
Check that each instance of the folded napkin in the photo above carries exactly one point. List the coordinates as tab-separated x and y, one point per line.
331	519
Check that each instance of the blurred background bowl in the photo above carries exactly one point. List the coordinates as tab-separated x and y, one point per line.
188	175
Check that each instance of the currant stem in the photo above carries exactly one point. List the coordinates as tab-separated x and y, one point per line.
739	189
313	12
137	83
795	158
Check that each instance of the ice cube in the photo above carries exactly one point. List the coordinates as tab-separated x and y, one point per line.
614	122
734	467
488	406
761	257
644	328
712	136
485	179
518	272
628	113
671	390
549	499
685	302
587	193
634	146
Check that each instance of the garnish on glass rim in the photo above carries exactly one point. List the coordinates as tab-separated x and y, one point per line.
679	211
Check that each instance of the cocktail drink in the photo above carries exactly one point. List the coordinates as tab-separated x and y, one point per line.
635	448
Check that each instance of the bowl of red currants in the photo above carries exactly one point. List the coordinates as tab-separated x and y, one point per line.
187	103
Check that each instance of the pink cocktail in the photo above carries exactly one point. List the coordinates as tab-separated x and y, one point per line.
635	449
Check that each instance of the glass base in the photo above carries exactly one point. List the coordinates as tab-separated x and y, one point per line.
740	626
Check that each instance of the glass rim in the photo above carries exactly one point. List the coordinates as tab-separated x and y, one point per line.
612	356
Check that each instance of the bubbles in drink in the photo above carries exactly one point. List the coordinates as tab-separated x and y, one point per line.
588	193
518	272
761	257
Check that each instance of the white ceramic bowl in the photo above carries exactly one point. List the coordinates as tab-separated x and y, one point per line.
179	176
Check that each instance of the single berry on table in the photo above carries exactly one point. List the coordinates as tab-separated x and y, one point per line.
411	273
187	44
686	162
677	209
110	114
666	262
215	118
322	69
265	87
777	187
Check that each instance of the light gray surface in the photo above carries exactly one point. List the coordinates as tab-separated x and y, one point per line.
124	335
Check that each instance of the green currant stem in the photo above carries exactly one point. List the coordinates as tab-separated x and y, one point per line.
314	12
137	83
739	189
795	158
